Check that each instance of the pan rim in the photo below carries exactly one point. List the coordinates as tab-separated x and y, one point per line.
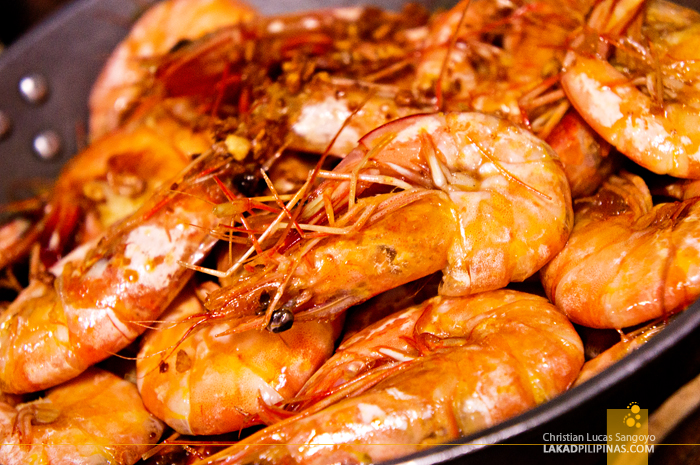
676	331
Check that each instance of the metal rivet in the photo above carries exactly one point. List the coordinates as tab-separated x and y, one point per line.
34	88
47	144
5	125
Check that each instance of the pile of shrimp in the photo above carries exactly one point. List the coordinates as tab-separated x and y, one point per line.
349	235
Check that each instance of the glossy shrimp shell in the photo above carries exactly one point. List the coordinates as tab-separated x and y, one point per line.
627	261
96	418
624	116
506	187
460	365
95	305
485	201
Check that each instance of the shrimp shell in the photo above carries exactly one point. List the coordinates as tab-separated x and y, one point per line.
122	80
656	127
586	157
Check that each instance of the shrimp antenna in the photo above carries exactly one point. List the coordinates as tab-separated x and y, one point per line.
439	102
269	231
280	203
316	173
507	174
326	152
302	193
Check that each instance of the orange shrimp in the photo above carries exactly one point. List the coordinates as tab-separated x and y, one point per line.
162	27
97	418
680	189
103	292
445	368
207	382
476	197
655	125
627	261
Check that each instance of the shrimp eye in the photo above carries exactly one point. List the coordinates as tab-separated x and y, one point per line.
249	184
282	320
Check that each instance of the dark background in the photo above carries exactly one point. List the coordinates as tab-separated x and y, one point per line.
16	16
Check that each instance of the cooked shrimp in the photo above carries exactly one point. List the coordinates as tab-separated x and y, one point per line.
112	178
102	295
97	418
448	367
656	126
207	382
626	261
160	28
477	197
681	189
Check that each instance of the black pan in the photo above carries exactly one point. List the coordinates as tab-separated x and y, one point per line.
69	49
